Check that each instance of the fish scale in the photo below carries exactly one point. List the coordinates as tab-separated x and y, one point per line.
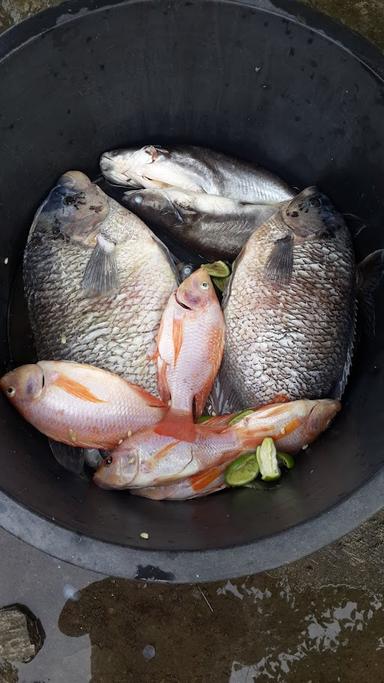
288	340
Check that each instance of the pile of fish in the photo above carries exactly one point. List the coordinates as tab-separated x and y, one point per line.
130	357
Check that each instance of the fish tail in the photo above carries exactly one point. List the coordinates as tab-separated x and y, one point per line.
178	424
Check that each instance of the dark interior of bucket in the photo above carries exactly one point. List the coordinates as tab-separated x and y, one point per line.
251	83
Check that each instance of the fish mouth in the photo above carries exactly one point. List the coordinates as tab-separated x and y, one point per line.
187	308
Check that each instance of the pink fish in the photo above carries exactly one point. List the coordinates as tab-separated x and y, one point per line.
80	405
201	484
189	352
151	459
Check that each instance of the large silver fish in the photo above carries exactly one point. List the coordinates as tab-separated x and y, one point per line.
212	226
290	307
96	282
193	169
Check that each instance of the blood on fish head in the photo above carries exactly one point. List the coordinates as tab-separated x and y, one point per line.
197	291
119	469
74	208
312	214
25	384
131	167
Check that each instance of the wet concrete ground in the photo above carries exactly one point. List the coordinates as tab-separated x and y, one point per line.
318	620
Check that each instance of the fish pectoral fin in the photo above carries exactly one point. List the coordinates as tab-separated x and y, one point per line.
151	400
69	457
369	273
178	424
177	338
201	397
153	352
162	379
186	215
101	276
279	265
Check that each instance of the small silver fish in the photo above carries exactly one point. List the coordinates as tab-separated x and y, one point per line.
212	226
194	169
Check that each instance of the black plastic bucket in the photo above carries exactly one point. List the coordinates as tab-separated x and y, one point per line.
271	82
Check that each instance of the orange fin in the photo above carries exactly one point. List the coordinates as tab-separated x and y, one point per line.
177	336
280	398
178	424
201	397
153	353
215	354
201	480
291	426
150	400
162	379
76	389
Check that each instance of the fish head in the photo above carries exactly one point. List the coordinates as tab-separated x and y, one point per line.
184	270
144	459
74	209
23	385
196	291
312	214
292	425
154	205
133	167
301	422
320	416
118	469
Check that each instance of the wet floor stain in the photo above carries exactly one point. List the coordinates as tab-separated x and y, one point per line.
260	628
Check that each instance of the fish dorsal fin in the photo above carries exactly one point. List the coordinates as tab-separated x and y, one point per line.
369	274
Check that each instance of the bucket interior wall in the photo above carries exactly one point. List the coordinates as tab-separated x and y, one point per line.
231	76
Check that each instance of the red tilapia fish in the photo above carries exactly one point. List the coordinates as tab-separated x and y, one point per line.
80	405
152	459
199	485
189	352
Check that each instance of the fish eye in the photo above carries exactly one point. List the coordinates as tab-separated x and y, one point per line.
204	285
11	391
108	461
